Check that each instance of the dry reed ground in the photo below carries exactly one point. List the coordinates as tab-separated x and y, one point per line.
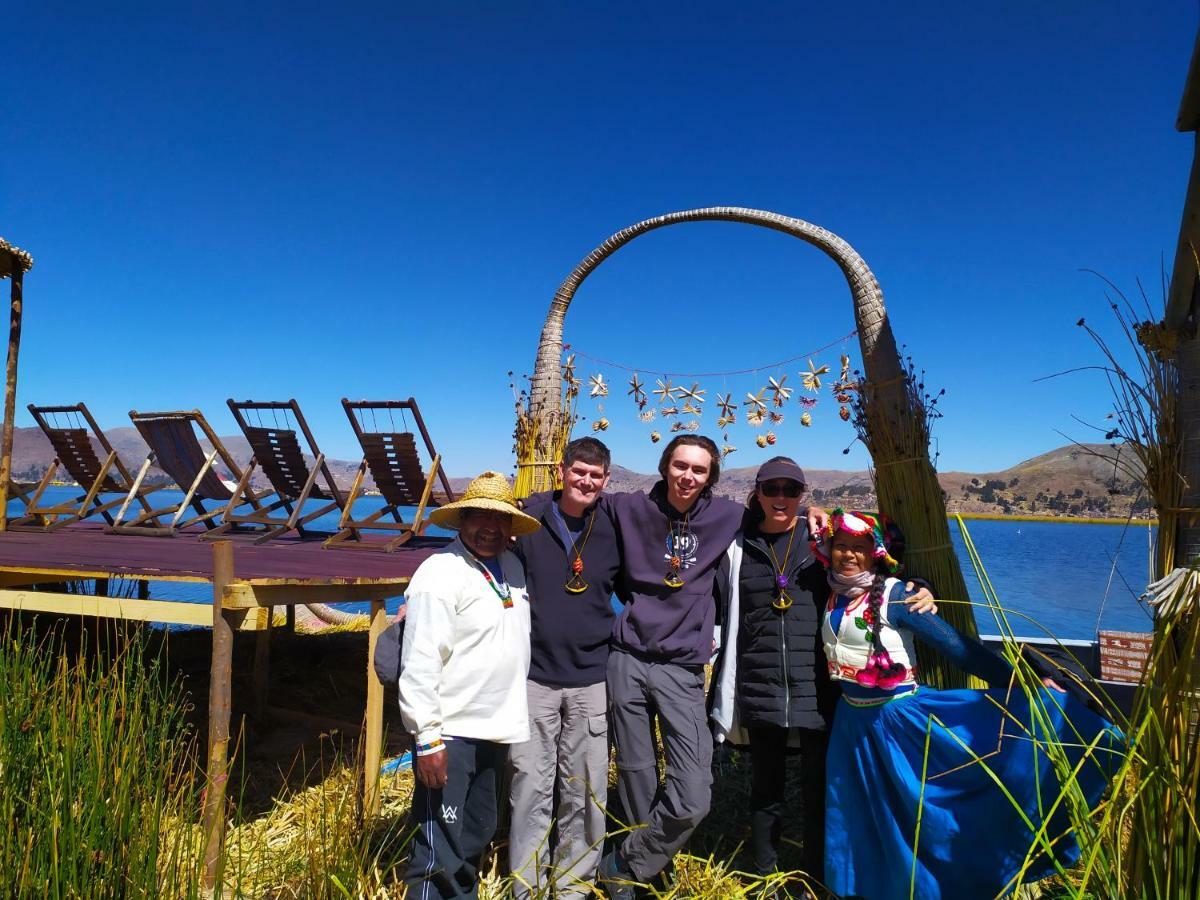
282	766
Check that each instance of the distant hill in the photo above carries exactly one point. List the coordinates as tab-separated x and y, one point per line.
1076	480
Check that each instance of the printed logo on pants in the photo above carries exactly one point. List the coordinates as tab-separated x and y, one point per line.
449	814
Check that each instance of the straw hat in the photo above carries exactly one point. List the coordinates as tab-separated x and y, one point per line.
492	491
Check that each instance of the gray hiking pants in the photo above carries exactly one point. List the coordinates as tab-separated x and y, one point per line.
639	692
566	755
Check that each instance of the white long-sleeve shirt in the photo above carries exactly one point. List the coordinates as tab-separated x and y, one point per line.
465	656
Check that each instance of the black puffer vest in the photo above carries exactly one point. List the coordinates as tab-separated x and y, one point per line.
782	677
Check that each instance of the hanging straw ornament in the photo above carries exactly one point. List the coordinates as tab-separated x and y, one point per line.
692	426
806	420
599	388
688	409
756	400
568	368
761	440
676	427
726	420
600	424
648	415
811	379
845	368
728	407
696	393
771	439
776	418
669	411
665	390
727	449
635	391
808	402
780	392
655	437
844	412
756	416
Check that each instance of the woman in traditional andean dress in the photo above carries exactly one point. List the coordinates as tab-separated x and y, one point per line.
913	808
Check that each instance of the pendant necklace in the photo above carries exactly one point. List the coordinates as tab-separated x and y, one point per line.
675	541
502	591
783	601
575	584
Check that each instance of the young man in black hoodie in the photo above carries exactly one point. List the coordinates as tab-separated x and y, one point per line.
571	566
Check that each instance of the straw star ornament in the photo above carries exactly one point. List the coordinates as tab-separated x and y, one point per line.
635	391
811	379
780	392
599	387
665	390
728	406
756	401
695	393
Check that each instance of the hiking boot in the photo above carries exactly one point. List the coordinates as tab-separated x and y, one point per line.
615	877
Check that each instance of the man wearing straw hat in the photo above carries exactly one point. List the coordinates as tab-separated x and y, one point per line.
462	683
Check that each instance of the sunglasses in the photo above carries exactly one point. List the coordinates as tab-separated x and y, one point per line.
788	489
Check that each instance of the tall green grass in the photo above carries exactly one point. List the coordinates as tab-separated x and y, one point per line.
96	765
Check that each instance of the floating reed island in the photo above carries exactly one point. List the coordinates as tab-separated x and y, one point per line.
141	805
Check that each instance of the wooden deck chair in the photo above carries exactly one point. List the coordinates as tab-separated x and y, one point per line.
277	452
71	430
390	456
175	448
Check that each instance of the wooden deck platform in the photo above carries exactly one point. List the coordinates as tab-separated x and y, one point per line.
246	578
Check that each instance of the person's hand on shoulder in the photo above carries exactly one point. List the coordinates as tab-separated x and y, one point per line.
817	518
919	598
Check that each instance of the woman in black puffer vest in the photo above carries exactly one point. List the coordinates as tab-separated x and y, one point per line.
771	689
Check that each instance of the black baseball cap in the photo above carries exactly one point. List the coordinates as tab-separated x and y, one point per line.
780	468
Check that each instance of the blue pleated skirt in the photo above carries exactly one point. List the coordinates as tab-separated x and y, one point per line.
901	823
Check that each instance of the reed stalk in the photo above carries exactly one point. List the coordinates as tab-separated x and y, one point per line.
541	436
95	763
895	428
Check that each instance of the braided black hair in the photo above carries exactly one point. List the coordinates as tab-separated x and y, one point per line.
885	666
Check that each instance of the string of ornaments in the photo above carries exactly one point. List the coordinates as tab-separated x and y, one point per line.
665	405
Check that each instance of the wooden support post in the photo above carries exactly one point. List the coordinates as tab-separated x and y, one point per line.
374	734
219	695
262	664
10	388
291	618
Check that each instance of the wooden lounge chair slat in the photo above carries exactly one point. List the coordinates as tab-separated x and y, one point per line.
75	450
73	447
394	463
281	457
278	452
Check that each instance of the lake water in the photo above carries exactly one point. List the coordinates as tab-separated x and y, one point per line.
1068	578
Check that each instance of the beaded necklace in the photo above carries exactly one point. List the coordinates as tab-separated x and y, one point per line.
675	540
502	590
783	601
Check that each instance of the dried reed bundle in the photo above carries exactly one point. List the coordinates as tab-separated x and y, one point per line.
540	437
894	427
1152	848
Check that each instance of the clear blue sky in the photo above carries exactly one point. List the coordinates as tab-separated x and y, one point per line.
304	201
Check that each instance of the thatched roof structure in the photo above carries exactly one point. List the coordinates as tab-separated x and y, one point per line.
13	258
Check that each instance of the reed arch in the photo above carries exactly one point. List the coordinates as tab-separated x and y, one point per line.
897	433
